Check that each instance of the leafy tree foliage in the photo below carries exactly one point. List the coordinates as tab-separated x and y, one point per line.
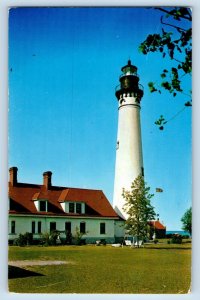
176	45
138	208
187	220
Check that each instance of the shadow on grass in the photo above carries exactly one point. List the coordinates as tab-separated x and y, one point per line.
16	272
168	248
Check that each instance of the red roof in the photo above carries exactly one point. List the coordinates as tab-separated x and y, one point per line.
156	224
23	197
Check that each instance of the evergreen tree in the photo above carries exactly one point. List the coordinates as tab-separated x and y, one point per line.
138	208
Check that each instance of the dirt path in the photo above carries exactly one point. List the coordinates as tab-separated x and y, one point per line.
24	263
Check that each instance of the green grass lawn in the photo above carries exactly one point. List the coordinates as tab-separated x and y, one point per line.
159	268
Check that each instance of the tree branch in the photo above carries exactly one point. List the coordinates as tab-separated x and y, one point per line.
189	14
176	27
177	60
172	14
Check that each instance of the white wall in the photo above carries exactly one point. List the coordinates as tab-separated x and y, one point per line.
129	161
24	224
119	228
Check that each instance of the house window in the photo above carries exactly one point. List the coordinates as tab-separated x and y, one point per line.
102	228
42	206
78	208
39	226
13	227
71	207
52	226
33	227
82	227
68	227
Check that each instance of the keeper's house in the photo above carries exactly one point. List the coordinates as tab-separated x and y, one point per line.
44	208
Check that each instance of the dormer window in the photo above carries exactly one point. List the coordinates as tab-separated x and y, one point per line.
43	205
78	208
73	207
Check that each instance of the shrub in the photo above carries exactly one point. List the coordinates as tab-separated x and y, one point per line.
29	238
24	239
186	236
169	235
155	241
45	238
21	241
15	242
176	239
10	242
78	237
103	242
68	240
53	238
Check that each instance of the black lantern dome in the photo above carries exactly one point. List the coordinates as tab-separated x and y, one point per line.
129	82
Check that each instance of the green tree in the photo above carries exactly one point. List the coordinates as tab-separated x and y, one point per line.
138	208
176	45
187	220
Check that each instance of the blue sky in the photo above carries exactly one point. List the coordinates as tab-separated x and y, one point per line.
63	112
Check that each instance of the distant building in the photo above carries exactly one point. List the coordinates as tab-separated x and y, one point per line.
44	208
157	227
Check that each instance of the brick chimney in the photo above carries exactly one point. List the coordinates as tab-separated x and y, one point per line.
13	176
47	179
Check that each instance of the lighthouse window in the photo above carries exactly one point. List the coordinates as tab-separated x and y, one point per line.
117	144
142	171
122	100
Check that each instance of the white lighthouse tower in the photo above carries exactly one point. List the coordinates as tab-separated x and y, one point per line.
129	161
